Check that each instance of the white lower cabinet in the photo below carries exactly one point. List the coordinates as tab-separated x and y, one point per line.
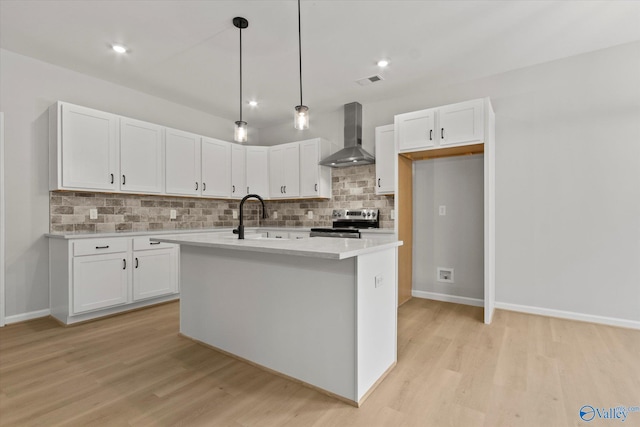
99	281
277	234
95	277
155	273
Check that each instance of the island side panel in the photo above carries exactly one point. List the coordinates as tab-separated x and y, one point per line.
295	315
376	317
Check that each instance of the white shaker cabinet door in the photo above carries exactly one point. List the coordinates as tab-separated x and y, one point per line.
100	281
291	170
385	160
257	176
461	123
155	273
182	163
141	154
416	130
216	168
89	148
238	172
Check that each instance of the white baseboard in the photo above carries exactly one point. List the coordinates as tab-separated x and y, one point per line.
27	316
476	302
549	312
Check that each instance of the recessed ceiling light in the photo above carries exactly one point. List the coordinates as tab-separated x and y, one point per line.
119	48
253	103
383	63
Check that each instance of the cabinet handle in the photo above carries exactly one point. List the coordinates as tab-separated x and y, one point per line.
430	134
136	262
278	237
154	243
233	188
378	182
124	180
111	178
247	189
102	247
285	189
204	186
281	189
124	264
316	188
441	133
196	185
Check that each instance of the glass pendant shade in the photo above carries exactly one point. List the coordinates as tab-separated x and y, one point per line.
301	117
240	134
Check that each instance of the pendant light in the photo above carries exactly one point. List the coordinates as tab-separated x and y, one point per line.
240	134
301	114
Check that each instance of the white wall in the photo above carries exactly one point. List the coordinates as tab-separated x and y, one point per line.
456	239
567	178
27	88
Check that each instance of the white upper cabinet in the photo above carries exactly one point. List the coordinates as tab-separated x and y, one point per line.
446	126
182	163
141	157
284	170
83	149
385	160
238	172
315	180
257	165
216	168
461	123
416	130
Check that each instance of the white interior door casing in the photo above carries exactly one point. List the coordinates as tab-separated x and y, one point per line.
141	157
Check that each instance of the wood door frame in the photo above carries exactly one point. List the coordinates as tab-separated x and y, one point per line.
404	209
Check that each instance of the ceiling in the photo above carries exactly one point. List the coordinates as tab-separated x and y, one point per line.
187	51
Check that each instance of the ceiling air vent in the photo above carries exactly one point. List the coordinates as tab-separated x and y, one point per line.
368	80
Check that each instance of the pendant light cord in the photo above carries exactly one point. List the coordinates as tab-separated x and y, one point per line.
240	73
300	51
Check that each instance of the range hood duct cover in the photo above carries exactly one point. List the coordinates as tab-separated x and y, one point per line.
352	154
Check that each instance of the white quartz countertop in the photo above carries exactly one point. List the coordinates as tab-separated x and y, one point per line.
376	231
319	247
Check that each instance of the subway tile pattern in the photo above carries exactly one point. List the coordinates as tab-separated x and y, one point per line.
353	187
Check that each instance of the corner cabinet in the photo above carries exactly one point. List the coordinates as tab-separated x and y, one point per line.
216	168
315	180
238	172
95	277
446	126
83	149
257	172
385	159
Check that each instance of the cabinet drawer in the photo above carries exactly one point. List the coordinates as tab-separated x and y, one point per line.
144	243
99	246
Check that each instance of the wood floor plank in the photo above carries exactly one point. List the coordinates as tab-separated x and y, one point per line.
135	370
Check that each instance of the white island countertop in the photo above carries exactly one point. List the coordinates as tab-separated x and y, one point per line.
317	247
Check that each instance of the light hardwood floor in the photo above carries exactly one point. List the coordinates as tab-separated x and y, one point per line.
453	370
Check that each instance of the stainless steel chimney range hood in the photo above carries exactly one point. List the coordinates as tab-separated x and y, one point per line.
352	154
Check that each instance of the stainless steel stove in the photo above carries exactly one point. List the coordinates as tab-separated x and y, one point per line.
347	223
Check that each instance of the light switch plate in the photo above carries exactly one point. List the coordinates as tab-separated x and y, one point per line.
234	214
172	214
310	214
93	213
275	214
379	280
442	210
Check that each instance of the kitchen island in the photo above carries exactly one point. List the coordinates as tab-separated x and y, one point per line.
322	311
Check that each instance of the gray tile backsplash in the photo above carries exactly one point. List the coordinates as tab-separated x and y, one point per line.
353	187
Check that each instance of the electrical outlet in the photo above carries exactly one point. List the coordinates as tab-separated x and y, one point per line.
442	210
310	214
393	214
275	214
378	280
172	214
234	214
445	274
93	213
